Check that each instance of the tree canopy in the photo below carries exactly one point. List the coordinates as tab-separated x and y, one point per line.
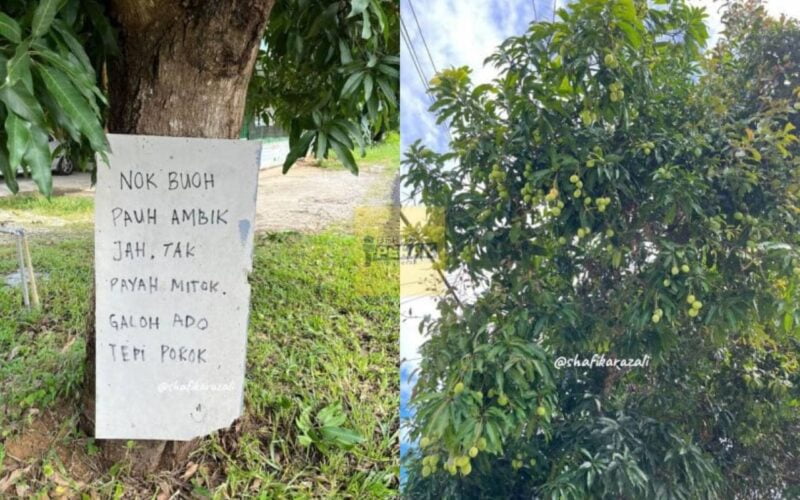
615	191
327	72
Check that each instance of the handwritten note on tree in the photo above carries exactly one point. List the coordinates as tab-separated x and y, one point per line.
173	247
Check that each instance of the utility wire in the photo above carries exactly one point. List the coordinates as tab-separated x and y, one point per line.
433	260
414	58
419	28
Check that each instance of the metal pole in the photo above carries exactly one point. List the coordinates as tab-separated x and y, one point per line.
29	265
22	278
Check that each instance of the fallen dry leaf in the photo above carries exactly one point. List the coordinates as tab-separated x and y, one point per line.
190	470
11	478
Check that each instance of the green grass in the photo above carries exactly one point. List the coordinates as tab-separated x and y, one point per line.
57	206
323	332
386	153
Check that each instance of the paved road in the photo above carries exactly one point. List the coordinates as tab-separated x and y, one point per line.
62	184
307	199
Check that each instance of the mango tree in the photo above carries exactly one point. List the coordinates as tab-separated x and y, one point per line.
605	199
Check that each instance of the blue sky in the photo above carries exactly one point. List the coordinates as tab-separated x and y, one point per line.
458	33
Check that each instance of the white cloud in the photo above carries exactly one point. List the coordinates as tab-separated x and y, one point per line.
457	33
790	8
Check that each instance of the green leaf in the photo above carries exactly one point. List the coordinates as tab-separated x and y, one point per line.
9	174
352	83
18	138
300	148
368	84
322	144
83	80
366	28
18	67
387	91
43	16
358	7
342	136
21	101
631	33
9	29
74	104
75	47
345	55
101	25
345	438
344	155
38	159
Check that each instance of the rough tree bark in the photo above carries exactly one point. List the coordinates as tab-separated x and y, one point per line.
183	71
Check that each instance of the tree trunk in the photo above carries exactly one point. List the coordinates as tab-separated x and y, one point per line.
183	70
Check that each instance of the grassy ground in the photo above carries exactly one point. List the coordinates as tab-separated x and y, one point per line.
323	336
384	153
68	207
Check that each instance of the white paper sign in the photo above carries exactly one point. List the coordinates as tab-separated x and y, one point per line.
174	222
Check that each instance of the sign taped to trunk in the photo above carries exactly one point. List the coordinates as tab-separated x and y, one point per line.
174	223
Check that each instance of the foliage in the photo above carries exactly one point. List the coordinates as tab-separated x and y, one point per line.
325	430
383	153
329	74
757	62
602	198
48	84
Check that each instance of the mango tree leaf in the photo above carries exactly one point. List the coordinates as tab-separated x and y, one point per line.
43	16
9	29
74	105
18	67
344	155
368	84
366	28
352	83
101	25
21	101
75	47
388	92
300	148
322	144
9	174
18	138
84	82
38	159
358	7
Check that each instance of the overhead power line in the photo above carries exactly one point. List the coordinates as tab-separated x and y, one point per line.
414	58
422	36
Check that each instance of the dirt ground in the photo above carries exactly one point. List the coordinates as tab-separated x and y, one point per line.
307	199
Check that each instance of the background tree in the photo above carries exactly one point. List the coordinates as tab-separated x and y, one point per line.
605	198
331	79
329	75
70	68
